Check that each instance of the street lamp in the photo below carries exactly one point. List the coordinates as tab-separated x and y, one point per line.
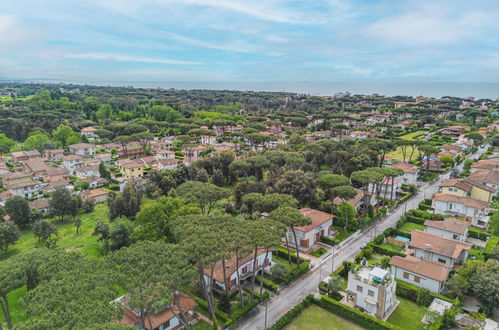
266	306
332	261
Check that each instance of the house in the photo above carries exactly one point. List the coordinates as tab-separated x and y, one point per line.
208	140
488	178
452	148
94	181
246	263
485	164
55	154
132	169
89	132
372	291
25	189
164	154
167	164
71	162
389	187
11	178
131	151
356	202
21	156
467	187
411	172
82	149
439	249
86	171
420	272
42	205
4	196
471	209
98	195
105	158
57	173
308	235
448	228
192	152
435	165
168	318
36	166
322	133
454	131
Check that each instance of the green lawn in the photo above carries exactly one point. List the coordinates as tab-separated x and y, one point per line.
391	246
374	259
413	135
408	315
314	317
319	252
16	310
397	154
341	233
67	237
201	325
409	226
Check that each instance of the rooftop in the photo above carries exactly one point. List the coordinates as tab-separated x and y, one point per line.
440	245
434	270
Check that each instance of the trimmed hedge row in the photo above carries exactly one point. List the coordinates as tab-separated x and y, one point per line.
297	272
474	233
269	285
410	292
364	320
385	251
283	253
406	197
218	313
292	314
328	241
243	311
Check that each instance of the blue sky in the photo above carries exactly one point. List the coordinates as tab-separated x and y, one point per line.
251	40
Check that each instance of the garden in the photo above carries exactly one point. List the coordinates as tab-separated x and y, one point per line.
408	315
315	317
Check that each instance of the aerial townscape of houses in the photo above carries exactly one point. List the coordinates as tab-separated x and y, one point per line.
418	255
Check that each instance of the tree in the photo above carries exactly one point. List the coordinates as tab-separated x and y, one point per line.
476	137
65	135
427	150
36	141
385	261
87	205
154	218
9	234
152	285
279	271
217	178
298	184
391	173
5	143
18	210
75	205
206	195
60	203
292	218
334	285
11	279
446	160
144	139
424	297
329	181
43	230
120	232
104	172
485	284
268	202
344	193
366	177
77	223
126	204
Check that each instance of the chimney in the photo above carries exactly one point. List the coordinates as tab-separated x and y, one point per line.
427	246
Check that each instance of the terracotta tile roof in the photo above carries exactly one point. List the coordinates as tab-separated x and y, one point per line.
465	184
94	192
486	164
36	164
131	317
88	129
434	270
469	202
23	184
82	145
318	218
41	203
451	225
440	245
406	167
354	201
71	157
485	176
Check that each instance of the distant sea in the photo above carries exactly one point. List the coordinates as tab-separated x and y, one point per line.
477	90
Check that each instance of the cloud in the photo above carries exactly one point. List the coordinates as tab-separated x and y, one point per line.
127	58
14	33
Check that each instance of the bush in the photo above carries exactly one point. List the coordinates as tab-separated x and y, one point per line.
413	219
283	253
269	285
328	241
424	297
297	272
411	292
218	313
491	244
474	233
292	314
385	251
362	319
401	233
368	252
379	239
407	196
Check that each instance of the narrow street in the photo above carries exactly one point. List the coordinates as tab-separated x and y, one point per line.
320	268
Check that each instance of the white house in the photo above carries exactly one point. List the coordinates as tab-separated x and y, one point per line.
448	228
82	149
307	236
167	164
372	291
411	172
86	171
488	178
71	162
473	209
89	132
439	249
25	189
389	187
246	263
420	272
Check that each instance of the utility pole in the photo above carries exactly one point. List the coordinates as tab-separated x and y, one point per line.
332	261
266	306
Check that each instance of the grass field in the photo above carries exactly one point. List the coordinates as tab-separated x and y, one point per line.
201	325
16	310
319	252
67	237
413	136
391	246
409	226
398	155
314	317
408	315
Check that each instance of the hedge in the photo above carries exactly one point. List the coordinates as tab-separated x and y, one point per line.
379	239
388	252
413	219
218	313
283	253
328	240
491	244
269	285
297	272
362	319
406	197
474	233
292	314
410	292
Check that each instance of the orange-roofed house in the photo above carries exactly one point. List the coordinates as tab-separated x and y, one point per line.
439	249
476	211
411	172
89	132
420	272
448	228
307	236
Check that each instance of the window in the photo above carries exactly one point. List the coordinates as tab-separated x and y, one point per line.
455	236
359	288
370	293
442	260
450	206
417	279
406	275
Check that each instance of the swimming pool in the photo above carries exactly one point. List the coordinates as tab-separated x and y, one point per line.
402	238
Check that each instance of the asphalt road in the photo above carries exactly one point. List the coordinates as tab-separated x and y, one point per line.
290	296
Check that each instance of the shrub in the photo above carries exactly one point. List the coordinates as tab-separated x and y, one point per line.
413	219
379	239
218	313
269	285
362	319
411	292
297	272
474	233
387	233
328	241
385	261
424	297
388	252
368	252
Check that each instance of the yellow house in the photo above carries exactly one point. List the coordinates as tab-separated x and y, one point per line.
132	170
467	188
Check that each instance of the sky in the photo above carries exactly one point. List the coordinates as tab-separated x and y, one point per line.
251	40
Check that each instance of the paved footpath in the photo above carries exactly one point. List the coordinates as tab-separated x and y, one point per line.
290	296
